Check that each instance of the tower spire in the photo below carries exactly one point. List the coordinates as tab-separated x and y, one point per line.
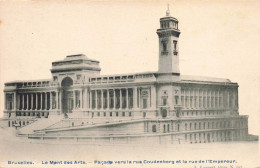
168	10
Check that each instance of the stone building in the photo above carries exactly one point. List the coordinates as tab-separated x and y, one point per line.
163	107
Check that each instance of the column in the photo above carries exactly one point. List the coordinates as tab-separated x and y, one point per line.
206	98
198	99
193	100
96	98
5	101
50	100
153	97
81	99
189	104
85	98
41	105
217	99
234	99
149	100
56	101
90	99
126	95
114	98
214	99
60	101
46	96
135	97
228	99
222	99
14	101
36	94
210	98
27	107
120	98
237	104
184	97
23	95
102	97
139	95
31	101
74	99
108	99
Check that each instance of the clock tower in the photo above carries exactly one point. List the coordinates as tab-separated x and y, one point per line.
168	45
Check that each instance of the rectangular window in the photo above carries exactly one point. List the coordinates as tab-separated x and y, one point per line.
78	77
164	101
55	78
176	100
144	103
164	46
175	45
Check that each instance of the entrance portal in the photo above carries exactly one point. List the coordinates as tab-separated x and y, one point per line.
67	95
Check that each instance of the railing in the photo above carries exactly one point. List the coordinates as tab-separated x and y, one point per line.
37	84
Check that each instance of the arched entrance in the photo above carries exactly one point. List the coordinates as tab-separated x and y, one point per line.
67	95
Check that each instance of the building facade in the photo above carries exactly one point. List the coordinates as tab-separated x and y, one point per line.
163	107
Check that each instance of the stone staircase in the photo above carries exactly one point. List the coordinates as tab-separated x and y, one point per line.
40	124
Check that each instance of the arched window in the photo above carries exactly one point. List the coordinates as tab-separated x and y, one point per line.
164	128
66	82
154	128
72	124
185	126
190	126
178	127
168	127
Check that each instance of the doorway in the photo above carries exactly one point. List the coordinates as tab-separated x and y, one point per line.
67	95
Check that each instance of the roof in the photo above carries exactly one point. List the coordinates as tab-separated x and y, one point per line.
204	79
76	57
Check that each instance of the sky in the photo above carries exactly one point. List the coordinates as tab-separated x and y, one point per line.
218	39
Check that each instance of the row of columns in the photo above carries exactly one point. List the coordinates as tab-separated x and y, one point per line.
82	98
135	93
37	101
107	91
196	98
